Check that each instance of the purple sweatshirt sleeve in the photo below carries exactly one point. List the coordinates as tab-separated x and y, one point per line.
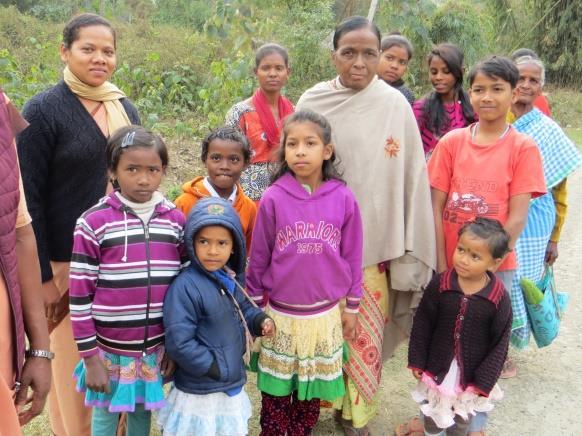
352	251
263	242
83	279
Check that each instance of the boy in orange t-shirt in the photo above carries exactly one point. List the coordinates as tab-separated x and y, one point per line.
225	153
486	169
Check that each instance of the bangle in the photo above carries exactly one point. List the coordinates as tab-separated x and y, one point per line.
40	353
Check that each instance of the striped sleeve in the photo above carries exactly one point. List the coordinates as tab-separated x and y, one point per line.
83	280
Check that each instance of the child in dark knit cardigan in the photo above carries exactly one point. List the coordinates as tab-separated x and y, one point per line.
460	333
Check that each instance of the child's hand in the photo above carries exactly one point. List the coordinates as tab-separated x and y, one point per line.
268	328
417	373
167	366
96	377
349	325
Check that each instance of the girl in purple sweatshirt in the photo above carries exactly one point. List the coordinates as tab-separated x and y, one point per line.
127	250
306	261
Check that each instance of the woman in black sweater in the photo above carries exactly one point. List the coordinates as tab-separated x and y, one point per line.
62	160
460	334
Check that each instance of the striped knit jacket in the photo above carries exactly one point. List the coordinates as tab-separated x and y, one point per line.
120	271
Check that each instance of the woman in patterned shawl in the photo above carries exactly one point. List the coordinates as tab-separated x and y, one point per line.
261	117
378	143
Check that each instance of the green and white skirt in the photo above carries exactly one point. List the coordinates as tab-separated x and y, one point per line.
305	356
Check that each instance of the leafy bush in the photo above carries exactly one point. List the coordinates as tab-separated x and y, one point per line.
427	23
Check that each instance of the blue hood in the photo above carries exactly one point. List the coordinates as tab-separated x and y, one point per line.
213	211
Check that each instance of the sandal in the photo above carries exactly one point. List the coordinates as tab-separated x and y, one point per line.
353	431
349	429
509	369
414	427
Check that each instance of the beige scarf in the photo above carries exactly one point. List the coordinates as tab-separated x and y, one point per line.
377	141
107	93
378	144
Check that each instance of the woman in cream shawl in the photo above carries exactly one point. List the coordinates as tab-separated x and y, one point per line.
377	141
62	158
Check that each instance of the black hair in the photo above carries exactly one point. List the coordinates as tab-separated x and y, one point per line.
396	39
132	136
355	23
71	30
434	115
520	52
270	48
490	230
227	134
496	67
330	167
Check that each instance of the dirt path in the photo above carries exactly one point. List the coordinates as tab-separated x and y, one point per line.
544	400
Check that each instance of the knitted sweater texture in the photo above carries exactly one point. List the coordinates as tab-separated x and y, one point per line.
62	160
474	329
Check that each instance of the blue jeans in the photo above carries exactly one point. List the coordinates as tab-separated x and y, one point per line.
479	422
460	428
476	423
104	423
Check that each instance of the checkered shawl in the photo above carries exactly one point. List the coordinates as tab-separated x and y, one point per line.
559	154
560	158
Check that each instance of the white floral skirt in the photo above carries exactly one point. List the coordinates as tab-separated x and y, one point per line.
211	414
442	402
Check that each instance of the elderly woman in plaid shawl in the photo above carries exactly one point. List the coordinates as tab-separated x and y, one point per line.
538	244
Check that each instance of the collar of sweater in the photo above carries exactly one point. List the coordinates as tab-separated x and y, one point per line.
162	205
493	291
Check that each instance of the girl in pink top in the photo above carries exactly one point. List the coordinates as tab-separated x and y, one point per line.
447	107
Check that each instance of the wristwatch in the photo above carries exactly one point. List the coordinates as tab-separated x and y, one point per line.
40	353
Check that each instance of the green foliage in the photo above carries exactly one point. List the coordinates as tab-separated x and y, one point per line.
229	82
192	13
21	86
308	39
559	40
412	19
173	191
52	11
461	23
427	23
186	62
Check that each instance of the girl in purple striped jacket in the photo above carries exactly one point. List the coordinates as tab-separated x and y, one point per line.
127	250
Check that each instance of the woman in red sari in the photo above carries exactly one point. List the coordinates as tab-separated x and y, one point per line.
261	116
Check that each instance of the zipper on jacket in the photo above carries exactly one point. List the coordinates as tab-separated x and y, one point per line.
17	368
233	306
147	245
146	232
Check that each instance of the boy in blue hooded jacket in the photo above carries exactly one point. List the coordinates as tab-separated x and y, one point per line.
208	323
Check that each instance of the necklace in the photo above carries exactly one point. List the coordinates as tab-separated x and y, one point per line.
485	280
476	126
470	288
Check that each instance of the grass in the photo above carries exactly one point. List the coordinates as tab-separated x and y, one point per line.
575	134
566	107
